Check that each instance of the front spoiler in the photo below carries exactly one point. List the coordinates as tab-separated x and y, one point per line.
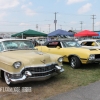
94	61
28	77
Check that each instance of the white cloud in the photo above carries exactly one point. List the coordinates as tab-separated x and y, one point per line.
74	1
97	24
30	3
30	12
2	15
73	22
24	24
23	6
58	0
23	0
27	10
85	8
5	4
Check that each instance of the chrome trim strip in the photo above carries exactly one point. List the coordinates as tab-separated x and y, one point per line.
5	63
42	72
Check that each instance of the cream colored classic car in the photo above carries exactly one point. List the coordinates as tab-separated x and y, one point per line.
72	52
20	62
90	43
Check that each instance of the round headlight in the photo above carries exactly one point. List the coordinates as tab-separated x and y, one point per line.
92	57
17	64
60	59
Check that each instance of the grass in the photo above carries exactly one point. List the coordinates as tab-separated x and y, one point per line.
69	79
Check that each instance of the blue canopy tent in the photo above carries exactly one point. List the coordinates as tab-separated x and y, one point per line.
60	32
97	37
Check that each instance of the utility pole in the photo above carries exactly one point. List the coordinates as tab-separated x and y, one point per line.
93	20
72	28
49	28
55	21
37	27
81	25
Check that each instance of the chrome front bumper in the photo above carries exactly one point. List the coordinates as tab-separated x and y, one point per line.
27	76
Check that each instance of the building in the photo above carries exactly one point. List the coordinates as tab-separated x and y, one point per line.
6	34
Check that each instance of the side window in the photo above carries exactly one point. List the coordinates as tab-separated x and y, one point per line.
93	44
59	44
90	43
83	43
53	44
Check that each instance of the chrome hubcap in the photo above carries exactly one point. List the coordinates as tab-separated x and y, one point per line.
73	62
6	75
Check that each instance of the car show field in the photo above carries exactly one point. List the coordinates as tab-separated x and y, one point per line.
68	80
42	89
49	48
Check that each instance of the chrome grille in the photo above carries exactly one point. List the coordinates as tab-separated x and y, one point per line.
97	56
41	71
42	74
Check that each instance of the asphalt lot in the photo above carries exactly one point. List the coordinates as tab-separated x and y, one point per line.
89	92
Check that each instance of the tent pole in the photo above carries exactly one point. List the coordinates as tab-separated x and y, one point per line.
22	35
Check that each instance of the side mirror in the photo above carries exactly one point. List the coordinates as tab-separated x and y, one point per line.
58	47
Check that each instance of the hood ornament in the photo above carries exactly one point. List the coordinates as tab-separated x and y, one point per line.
43	61
40	53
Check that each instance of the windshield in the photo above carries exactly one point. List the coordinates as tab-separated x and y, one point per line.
18	45
98	41
71	44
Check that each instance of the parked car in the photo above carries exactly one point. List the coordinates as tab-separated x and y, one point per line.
90	43
72	52
20	62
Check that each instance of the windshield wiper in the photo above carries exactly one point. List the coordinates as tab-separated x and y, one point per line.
11	49
26	49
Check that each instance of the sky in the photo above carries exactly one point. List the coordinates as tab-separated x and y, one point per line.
39	15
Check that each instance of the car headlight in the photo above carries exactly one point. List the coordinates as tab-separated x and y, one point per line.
60	59
17	64
91	57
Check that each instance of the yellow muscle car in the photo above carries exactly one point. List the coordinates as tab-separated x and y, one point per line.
72	52
20	62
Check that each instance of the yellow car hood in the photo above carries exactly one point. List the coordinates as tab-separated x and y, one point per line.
82	50
90	50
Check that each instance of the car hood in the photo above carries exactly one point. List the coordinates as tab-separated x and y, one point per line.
82	50
28	57
88	50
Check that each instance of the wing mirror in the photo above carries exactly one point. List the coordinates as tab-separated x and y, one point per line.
58	47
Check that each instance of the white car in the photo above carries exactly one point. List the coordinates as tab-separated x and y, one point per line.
90	43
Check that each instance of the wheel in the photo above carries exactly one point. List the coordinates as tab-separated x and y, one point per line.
75	62
7	78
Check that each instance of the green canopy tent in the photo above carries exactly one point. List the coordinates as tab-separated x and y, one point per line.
29	33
